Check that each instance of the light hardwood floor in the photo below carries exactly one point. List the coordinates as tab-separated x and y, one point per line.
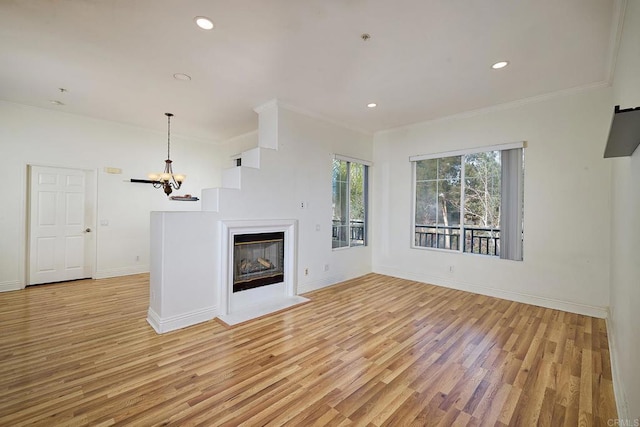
373	351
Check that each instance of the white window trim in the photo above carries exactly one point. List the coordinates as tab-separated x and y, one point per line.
497	147
414	159
413	208
352	160
413	204
367	213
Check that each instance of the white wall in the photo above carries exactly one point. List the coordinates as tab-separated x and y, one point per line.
235	146
566	219
624	326
44	137
300	171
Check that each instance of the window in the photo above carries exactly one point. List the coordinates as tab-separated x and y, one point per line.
470	201
350	199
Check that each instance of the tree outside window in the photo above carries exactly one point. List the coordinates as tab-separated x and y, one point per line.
460	202
349	226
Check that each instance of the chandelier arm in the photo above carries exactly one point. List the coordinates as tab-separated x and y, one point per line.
175	184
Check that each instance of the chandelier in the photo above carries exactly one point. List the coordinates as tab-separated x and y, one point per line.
167	180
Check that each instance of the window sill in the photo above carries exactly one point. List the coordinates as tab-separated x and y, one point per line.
348	247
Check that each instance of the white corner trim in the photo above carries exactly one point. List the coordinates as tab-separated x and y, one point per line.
122	271
267	105
571	307
618	384
154	320
12	285
179	321
617	24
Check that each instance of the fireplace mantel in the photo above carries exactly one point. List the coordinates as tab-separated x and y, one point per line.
236	307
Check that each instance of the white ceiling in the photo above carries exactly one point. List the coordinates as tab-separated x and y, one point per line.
426	58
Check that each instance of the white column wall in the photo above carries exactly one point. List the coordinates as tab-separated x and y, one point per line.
300	171
184	269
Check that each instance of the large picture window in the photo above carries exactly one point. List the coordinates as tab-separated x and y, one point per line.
470	201
350	199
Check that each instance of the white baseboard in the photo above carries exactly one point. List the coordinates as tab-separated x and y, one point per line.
122	271
571	307
328	281
12	285
618	385
262	309
317	284
171	323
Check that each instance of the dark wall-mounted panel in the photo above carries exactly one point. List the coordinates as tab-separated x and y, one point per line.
624	136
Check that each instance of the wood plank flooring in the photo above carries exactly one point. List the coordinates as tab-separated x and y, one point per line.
374	351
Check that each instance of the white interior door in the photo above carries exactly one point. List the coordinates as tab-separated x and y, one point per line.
58	230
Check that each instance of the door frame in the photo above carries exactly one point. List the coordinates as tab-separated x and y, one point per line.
91	213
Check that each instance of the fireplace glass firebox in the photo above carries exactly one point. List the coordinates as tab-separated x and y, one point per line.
258	260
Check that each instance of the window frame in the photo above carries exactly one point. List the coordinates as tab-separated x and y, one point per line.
414	159
365	183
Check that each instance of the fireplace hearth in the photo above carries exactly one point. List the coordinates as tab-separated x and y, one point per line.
258	260
265	281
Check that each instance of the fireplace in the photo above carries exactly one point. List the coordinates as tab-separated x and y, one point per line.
258	260
258	268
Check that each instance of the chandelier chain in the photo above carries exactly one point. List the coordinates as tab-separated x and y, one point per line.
169	136
167	180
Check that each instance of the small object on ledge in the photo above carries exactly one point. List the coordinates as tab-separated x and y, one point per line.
185	198
144	181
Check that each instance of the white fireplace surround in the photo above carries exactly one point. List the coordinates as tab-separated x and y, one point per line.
236	307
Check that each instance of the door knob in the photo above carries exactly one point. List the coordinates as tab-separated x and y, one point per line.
88	230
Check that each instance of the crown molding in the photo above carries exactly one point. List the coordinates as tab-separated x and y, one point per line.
294	108
237	137
504	106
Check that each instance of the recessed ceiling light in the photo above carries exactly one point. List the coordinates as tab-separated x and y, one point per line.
56	102
182	76
372	105
203	22
500	64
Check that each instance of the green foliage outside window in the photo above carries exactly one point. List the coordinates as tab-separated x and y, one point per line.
349	182
451	201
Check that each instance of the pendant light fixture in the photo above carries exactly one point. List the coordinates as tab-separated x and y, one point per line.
167	180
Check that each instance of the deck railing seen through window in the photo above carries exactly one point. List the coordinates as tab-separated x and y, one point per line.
477	240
